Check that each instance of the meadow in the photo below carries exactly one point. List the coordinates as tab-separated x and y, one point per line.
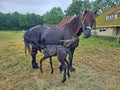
97	64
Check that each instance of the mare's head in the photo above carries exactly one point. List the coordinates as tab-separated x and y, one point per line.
88	22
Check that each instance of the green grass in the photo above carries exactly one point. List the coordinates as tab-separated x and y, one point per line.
99	42
96	61
9	35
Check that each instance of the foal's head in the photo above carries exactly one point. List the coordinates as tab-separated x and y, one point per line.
88	22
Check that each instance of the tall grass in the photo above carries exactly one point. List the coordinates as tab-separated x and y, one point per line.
96	62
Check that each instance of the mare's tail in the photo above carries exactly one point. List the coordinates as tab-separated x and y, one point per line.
27	46
30	43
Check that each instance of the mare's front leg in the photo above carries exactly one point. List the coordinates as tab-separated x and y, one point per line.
33	54
51	65
72	69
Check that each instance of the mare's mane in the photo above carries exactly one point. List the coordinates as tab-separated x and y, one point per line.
74	24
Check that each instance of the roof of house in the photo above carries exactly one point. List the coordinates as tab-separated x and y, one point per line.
101	19
65	20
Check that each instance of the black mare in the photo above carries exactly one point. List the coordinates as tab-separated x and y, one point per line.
44	35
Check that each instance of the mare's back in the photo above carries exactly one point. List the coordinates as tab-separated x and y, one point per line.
35	32
54	36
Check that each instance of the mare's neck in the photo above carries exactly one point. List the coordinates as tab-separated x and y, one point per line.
74	26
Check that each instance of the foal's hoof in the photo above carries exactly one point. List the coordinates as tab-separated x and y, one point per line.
72	69
51	72
69	76
63	80
41	71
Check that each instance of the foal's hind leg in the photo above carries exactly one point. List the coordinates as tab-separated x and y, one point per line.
64	74
63	67
68	68
51	65
33	54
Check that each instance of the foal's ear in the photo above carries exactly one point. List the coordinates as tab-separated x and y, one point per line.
95	12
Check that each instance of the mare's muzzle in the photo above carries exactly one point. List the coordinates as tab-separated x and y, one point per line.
87	32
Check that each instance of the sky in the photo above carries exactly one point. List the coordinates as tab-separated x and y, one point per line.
32	6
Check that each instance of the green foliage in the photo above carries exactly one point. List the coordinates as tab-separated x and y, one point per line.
16	21
77	7
54	16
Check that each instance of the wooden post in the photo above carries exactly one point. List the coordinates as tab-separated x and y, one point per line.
118	41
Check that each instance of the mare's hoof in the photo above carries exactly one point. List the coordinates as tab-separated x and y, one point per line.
36	67
72	69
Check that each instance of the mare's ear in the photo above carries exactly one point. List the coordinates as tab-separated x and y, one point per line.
84	12
95	12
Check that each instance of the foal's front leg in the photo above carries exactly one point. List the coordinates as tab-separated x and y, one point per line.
43	58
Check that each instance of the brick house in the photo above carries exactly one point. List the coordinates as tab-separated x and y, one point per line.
108	23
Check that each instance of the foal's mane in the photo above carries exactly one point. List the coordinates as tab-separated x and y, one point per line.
74	24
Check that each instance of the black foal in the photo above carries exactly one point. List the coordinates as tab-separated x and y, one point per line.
61	53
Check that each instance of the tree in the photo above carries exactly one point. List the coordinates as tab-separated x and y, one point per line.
77	7
16	21
101	5
54	16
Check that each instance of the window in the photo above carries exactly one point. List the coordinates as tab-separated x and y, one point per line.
102	30
111	17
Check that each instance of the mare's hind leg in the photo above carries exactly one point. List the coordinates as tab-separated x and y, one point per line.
43	58
51	65
33	54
